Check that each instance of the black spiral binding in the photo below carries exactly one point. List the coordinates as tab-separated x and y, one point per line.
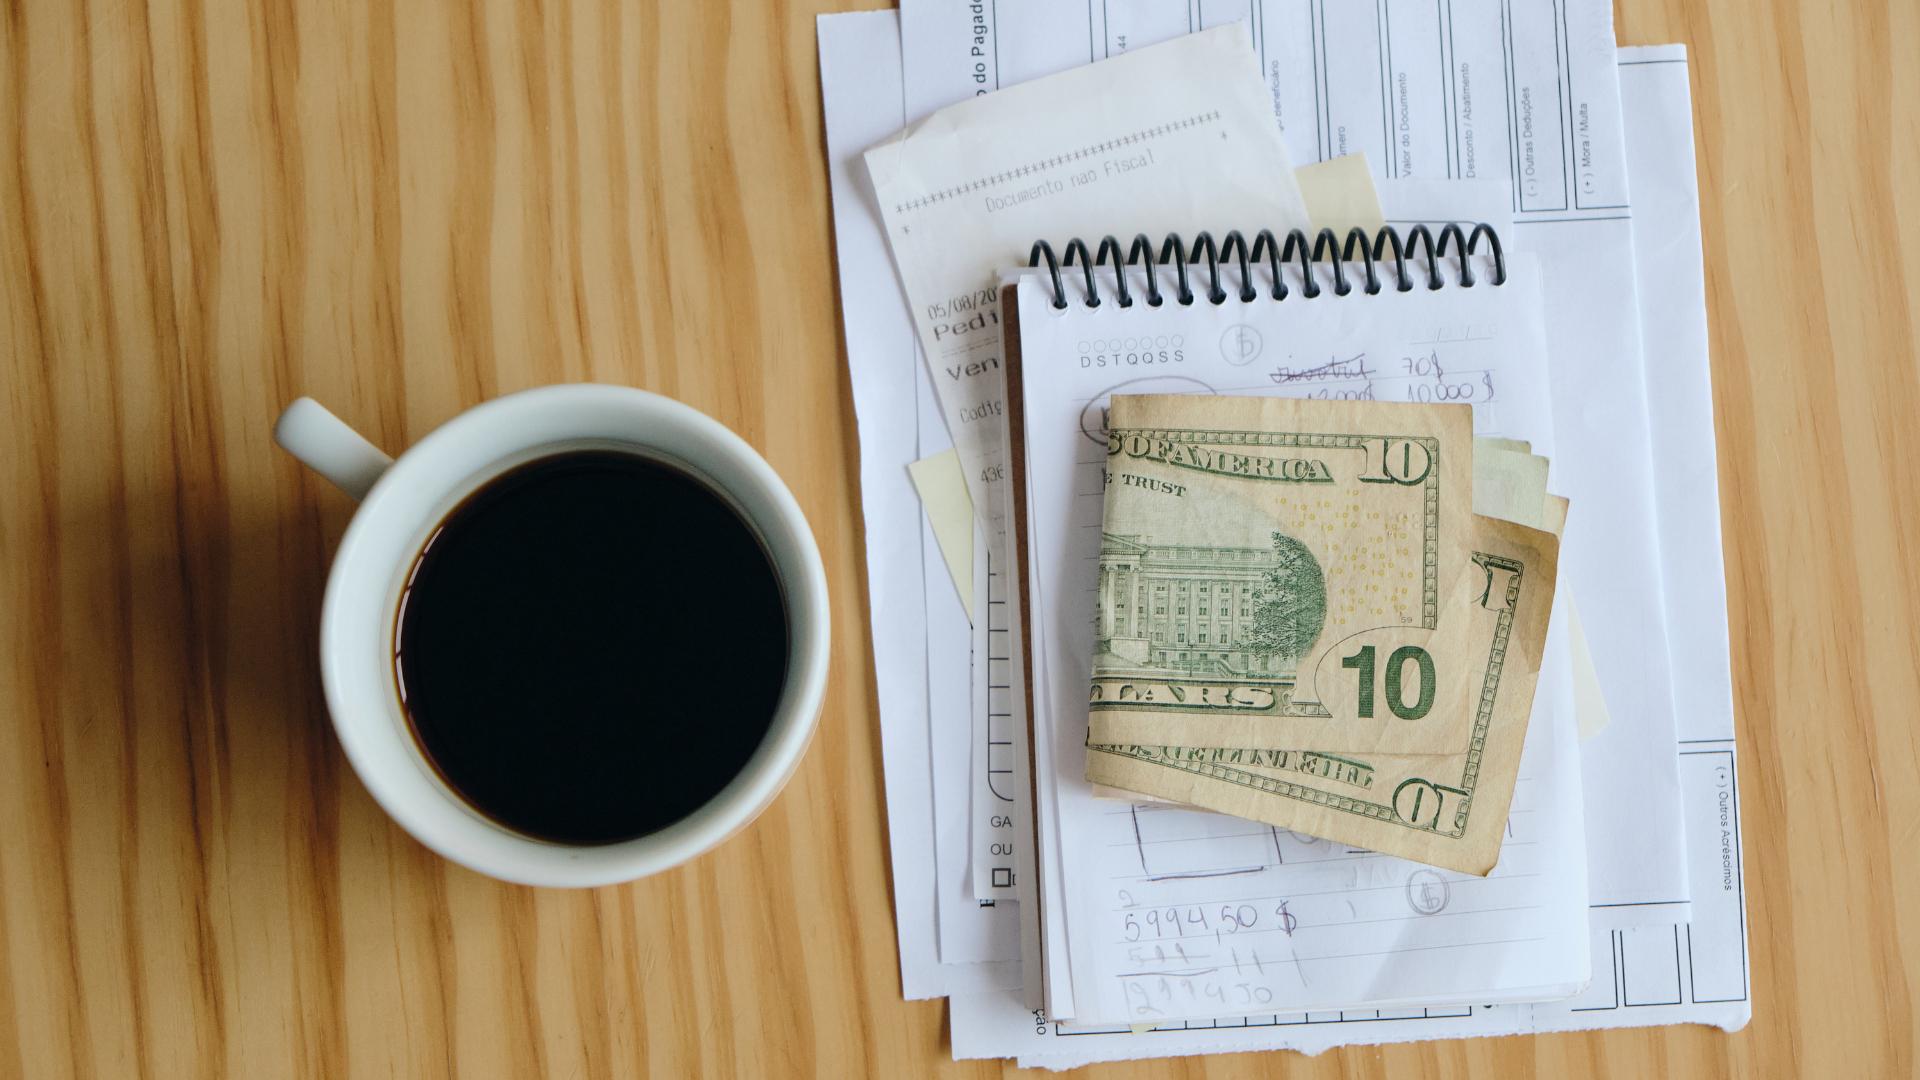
1326	247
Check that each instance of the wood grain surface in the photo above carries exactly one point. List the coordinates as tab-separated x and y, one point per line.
403	209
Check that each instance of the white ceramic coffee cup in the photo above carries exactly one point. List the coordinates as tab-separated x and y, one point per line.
401	501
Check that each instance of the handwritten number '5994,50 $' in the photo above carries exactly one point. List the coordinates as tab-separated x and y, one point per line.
1195	919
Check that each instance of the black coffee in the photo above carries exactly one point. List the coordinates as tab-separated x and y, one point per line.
591	646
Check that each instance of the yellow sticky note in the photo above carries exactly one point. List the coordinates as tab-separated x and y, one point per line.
1508	485
1553	514
1494	442
943	493
1589	704
1340	195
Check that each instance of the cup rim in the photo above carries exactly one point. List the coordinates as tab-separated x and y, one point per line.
383	538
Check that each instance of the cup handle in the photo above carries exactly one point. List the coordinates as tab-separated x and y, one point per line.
324	443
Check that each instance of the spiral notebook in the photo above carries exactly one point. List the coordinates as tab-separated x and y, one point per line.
1404	314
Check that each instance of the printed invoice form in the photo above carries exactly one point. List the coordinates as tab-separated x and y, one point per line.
1685	970
940	927
1461	90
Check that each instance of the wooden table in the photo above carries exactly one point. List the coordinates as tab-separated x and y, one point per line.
404	209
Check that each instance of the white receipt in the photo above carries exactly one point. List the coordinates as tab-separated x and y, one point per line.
1172	139
1175	140
999	813
969	934
1519	92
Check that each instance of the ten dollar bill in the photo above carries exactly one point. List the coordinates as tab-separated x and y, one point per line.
1247	539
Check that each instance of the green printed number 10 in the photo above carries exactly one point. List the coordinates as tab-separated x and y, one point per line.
1396	666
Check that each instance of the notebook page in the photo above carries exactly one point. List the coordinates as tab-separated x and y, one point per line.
1407	202
1159	898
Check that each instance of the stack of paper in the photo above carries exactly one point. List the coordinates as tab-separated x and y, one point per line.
1532	115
